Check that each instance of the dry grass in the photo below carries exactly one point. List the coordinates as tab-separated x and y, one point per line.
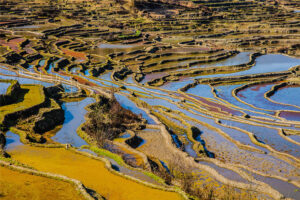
189	182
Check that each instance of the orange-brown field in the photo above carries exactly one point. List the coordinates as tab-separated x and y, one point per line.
18	186
92	173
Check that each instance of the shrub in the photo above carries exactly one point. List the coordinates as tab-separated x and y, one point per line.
108	119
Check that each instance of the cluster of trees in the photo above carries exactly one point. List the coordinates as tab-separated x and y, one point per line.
108	119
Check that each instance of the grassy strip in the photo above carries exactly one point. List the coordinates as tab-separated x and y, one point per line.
34	97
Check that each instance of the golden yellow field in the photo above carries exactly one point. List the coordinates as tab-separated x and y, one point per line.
92	173
33	95
21	186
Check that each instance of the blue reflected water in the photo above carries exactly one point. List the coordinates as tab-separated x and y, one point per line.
74	117
126	103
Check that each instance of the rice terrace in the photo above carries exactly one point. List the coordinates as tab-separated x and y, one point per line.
149	99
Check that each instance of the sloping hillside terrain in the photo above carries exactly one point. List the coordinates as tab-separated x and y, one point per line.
149	99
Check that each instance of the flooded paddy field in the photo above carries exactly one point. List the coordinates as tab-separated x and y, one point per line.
118	100
74	117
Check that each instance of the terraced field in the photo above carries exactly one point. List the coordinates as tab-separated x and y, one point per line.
15	185
150	99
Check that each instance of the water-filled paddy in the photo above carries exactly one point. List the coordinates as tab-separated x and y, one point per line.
290	115
264	64
106	48
201	90
23	80
114	46
254	95
3	87
225	92
287	189
225	172
12	140
69	89
6	72
288	95
74	117
272	63
268	136
128	104
295	138
174	86
188	147
238	59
